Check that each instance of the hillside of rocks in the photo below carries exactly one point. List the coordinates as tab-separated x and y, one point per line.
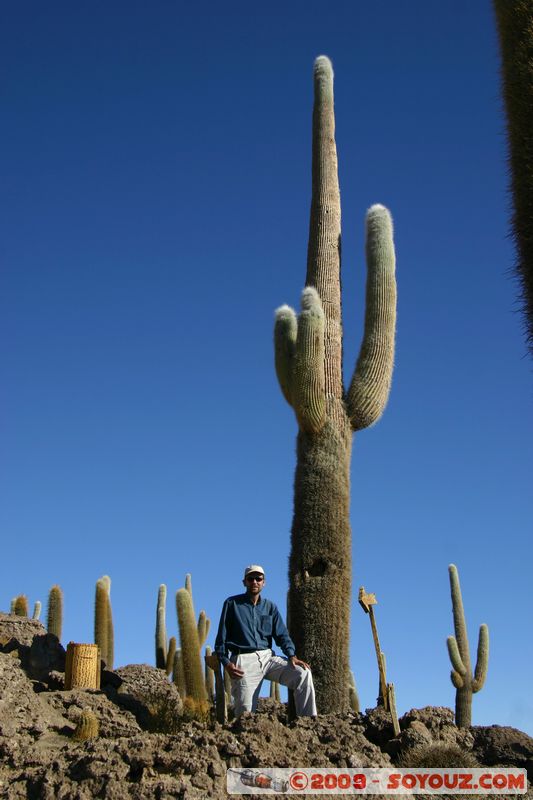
145	749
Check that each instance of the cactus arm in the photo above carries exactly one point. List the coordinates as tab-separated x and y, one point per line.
324	247
455	658
309	398
370	386
482	661
459	622
285	333
456	679
202	628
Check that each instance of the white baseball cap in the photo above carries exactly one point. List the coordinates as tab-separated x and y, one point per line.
254	568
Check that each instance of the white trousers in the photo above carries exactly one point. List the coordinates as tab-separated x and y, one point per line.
262	664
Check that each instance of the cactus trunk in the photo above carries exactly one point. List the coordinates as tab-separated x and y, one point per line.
463	707
320	561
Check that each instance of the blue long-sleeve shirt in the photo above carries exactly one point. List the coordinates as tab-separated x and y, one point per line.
246	627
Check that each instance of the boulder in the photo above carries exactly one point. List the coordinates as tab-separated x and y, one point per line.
27	639
148	694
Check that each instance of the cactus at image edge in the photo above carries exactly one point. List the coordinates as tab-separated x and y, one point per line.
54	617
465	683
190	652
161	628
308	358
515	28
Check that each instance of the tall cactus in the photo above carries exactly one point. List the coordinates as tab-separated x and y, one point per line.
54	619
103	620
515	27
465	683
308	353
161	629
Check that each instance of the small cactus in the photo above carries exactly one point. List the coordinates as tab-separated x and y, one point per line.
54	619
88	726
178	675
465	683
103	621
170	655
209	678
161	629
353	694
37	609
21	606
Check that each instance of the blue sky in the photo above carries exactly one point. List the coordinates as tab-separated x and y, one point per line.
155	175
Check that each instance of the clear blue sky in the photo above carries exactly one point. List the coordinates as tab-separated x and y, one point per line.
155	173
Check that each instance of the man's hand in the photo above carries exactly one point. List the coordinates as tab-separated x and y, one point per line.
233	670
297	662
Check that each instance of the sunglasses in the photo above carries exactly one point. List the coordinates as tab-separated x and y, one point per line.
257	578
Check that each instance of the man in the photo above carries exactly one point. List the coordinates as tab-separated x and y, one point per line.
248	624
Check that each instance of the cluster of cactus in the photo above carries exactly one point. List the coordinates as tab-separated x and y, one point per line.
193	634
103	621
465	683
20	608
184	663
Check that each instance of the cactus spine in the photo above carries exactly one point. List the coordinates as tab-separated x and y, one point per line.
103	621
161	629
515	28
308	355
54	618
465	683
190	652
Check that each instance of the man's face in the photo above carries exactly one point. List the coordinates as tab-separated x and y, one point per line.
254	583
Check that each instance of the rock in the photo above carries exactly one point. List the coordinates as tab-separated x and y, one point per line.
22	711
114	721
39	652
148	694
503	746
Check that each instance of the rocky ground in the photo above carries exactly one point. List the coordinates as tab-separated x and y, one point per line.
146	750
